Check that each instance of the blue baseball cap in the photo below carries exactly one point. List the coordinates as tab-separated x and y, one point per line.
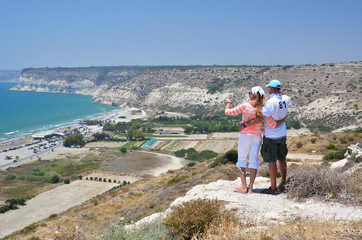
275	84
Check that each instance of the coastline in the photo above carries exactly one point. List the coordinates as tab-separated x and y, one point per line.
24	154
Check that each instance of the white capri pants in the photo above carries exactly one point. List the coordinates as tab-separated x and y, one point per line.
248	144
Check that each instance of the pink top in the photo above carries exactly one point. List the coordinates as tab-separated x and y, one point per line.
249	113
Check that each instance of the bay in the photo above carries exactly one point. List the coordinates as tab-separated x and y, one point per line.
25	113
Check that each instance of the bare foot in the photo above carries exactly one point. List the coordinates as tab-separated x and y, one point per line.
250	190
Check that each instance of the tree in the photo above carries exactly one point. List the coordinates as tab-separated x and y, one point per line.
74	140
101	136
138	134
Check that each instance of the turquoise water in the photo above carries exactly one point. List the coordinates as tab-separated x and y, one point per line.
25	113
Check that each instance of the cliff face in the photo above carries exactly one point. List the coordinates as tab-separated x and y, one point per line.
328	91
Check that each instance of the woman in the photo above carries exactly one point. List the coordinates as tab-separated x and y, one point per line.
250	135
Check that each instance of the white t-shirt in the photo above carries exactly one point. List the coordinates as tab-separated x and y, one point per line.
277	107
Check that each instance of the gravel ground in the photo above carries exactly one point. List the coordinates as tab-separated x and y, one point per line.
262	208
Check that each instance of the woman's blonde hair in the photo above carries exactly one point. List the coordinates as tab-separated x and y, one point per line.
259	103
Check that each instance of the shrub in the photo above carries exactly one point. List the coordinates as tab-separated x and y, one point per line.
191	164
232	156
104	180
53	216
343	141
335	155
218	161
11	203
192	154
123	150
4	209
66	181
351	139
86	178
21	201
152	230
80	177
193	218
307	182
10	177
91	178
55	179
299	144
313	140
176	180
114	181
331	147
109	180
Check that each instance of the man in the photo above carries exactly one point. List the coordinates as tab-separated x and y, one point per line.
274	145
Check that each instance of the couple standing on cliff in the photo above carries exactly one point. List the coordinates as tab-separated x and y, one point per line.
274	146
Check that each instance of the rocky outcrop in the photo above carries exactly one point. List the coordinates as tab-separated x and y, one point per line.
326	93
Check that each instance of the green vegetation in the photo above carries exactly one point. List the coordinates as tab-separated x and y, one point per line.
218	161
192	154
51	135
176	180
343	141
232	156
292	124
66	181
191	164
335	155
313	140
52	172
299	144
101	136
74	140
12	204
331	147
10	177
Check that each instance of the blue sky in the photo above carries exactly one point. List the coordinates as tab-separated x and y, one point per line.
82	33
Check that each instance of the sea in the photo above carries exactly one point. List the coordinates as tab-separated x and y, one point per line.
26	113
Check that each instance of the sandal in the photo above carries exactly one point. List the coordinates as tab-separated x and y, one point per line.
240	191
270	191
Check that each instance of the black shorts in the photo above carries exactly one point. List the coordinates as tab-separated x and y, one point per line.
273	150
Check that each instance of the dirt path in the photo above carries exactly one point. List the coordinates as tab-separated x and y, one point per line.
54	201
305	157
175	163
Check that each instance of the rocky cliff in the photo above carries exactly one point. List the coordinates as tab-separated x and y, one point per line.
327	94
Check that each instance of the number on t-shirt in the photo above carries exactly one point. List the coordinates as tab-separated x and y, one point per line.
281	104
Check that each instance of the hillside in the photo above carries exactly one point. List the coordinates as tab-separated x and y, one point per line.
9	75
323	95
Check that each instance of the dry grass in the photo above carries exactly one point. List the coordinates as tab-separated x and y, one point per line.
306	230
322	140
134	201
325	183
193	218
